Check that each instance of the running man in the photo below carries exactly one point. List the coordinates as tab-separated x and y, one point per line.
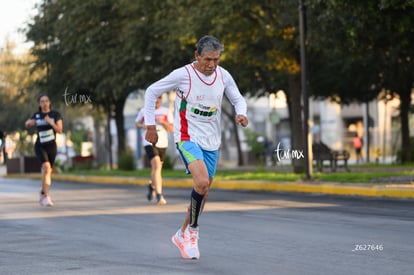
199	90
156	154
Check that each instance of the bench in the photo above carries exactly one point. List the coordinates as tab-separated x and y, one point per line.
321	152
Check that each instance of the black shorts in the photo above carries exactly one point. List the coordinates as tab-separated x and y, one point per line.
154	151
46	152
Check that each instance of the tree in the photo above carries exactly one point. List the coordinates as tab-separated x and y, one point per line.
369	47
110	48
261	48
104	48
15	88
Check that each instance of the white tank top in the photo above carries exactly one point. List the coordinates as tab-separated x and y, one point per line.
198	110
161	113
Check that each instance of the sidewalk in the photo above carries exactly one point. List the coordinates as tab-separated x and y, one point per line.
391	190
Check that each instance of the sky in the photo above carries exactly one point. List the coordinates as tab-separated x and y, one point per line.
13	15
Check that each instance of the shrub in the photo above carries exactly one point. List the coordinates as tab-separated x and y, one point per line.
411	151
82	163
126	161
256	144
168	163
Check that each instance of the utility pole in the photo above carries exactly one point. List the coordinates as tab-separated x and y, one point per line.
305	100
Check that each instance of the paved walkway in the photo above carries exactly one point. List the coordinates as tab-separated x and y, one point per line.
404	190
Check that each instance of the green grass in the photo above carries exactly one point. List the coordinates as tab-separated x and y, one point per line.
368	176
360	177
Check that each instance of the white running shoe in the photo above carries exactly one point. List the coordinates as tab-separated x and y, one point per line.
191	245
161	200
179	239
45	200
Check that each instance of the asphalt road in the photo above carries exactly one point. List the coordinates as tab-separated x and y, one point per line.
112	229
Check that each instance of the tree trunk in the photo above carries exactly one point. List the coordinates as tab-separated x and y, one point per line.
100	155
120	127
240	159
231	115
405	102
108	131
294	99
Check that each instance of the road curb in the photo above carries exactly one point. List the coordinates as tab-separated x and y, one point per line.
321	188
384	191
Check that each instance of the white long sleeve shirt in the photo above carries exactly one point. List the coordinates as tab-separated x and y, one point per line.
197	104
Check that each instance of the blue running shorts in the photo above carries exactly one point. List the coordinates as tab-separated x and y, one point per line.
190	152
